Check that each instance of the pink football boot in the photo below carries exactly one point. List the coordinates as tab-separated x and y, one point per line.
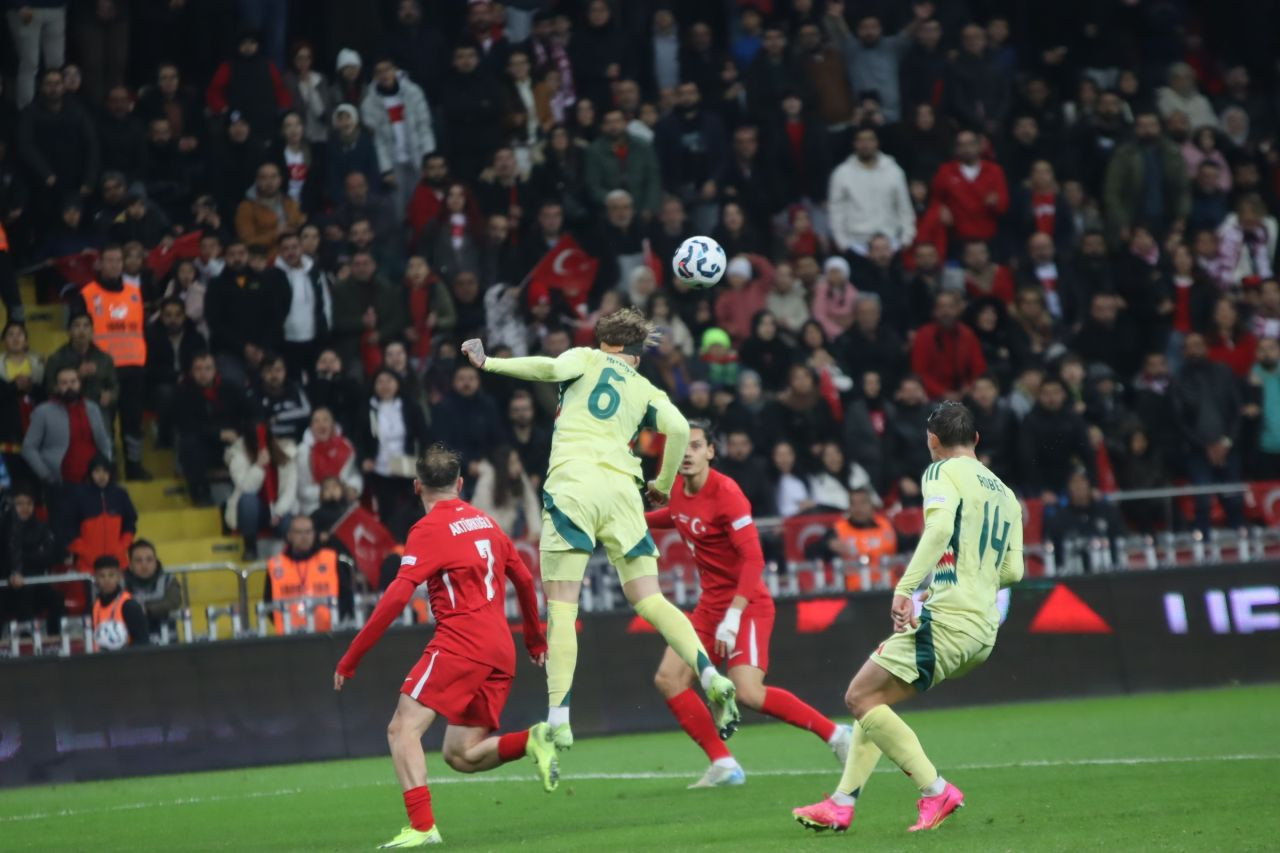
934	810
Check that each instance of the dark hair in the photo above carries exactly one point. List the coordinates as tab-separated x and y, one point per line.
953	424
269	359
173	300
704	425
106	561
142	543
76	315
438	468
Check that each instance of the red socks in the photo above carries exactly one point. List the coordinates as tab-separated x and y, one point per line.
511	746
695	719
417	802
786	707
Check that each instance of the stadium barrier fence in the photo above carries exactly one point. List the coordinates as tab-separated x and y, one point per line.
261	701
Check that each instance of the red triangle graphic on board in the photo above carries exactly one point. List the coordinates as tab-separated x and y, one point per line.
1063	612
639	625
817	614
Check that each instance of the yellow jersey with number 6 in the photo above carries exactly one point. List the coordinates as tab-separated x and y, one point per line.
604	403
983	551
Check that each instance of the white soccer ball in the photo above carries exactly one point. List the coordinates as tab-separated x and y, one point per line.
699	262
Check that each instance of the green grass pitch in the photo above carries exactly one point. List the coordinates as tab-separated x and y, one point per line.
1191	771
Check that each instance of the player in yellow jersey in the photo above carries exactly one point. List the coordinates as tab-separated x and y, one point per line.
592	495
972	543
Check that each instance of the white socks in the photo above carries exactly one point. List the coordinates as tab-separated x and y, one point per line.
725	762
708	673
843	799
557	715
937	787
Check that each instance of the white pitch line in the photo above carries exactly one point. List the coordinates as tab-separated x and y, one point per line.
640	776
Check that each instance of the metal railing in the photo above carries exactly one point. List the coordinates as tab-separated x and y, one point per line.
602	590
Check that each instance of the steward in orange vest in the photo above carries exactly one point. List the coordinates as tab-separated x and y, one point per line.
302	571
9	280
119	321
118	620
864	533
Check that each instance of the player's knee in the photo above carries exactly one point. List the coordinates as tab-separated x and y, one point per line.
859	701
667	684
395	728
750	694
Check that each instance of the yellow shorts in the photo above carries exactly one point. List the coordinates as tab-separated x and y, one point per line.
930	653
609	512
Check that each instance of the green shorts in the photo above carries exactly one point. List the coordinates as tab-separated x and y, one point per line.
609	512
930	653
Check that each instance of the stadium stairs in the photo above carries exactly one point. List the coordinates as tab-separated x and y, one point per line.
182	532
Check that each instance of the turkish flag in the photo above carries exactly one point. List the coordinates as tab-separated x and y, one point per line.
78	269
365	539
160	259
568	269
653	262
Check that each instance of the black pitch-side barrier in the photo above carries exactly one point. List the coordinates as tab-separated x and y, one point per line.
270	701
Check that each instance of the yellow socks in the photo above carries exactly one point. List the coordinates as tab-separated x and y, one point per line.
895	739
863	755
678	631
562	652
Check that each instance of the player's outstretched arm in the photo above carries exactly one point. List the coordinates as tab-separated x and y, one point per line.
659	519
521	578
390	606
673	425
534	368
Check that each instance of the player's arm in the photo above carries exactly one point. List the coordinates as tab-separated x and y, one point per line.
535	368
672	424
522	579
659	519
941	502
745	539
1012	566
413	571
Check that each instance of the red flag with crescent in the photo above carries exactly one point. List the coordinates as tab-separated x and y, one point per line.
366	540
568	269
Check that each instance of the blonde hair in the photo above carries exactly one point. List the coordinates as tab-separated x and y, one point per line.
626	327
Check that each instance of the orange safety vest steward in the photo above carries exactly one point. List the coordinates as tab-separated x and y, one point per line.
297	579
118	323
109	628
874	543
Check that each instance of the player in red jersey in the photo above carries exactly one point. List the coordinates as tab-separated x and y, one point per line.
734	616
466	670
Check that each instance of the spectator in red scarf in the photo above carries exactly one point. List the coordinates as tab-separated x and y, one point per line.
326	453
431	309
428	196
801	238
1230	343
1040	208
264	480
946	354
971	191
982	277
206	414
65	434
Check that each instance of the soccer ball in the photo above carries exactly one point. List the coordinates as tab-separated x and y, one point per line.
111	635
699	262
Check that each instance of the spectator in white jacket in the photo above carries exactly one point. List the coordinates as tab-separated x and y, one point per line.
396	112
264	485
1182	96
325	452
1247	242
868	195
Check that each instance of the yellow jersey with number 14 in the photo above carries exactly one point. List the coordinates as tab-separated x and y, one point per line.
972	543
604	403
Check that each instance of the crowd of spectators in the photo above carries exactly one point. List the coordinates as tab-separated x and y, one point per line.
1062	214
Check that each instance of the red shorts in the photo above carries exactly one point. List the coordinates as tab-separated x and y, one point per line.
752	647
464	692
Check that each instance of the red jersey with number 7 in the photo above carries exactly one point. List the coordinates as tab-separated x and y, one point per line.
464	558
